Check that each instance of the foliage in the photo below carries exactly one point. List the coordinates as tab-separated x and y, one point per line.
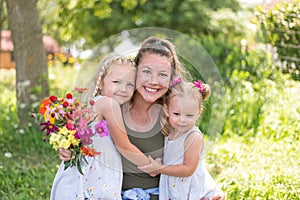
97	20
262	102
3	15
280	28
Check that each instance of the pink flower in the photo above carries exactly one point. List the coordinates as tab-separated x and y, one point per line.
70	126
101	128
176	81
199	85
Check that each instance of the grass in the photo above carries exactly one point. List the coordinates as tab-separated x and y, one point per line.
246	166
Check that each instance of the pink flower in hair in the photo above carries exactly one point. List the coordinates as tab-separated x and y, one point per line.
199	85
176	81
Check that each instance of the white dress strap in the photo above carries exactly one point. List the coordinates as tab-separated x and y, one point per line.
96	98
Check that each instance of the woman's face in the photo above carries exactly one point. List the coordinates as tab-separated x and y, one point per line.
153	77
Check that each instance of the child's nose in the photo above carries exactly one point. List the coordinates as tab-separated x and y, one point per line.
122	87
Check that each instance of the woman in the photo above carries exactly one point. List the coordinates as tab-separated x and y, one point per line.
157	64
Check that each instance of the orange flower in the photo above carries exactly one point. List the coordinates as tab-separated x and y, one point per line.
42	107
89	151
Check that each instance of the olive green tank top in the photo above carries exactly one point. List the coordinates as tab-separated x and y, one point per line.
150	143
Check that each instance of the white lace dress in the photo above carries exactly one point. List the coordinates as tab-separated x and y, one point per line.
194	187
102	177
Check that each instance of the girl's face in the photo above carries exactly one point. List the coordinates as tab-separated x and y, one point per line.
183	113
153	77
118	83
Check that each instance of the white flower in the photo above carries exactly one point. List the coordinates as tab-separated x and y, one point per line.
7	154
21	131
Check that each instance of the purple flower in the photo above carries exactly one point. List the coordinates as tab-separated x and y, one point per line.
51	128
101	128
85	136
76	135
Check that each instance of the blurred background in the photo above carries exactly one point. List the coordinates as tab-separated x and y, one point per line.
254	44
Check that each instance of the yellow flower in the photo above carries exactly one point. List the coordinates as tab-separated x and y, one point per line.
65	132
73	140
64	143
49	116
54	140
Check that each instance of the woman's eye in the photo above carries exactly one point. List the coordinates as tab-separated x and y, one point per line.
118	82
176	114
164	75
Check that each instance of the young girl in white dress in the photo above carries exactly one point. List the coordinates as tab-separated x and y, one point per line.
113	84
183	176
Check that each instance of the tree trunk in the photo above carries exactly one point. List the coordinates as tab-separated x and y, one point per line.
31	66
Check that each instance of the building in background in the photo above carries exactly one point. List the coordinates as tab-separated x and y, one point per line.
7	48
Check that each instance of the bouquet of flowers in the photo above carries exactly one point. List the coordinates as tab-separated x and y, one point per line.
68	124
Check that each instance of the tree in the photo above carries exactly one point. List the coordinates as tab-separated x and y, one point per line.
280	28
97	20
29	54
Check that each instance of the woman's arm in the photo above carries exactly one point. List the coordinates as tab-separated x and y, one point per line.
193	146
111	112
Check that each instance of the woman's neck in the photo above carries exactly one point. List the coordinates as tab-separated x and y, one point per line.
140	104
142	113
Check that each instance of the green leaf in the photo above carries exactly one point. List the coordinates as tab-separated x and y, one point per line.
79	166
67	164
83	157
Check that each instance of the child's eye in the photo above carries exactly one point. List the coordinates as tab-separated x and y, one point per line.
175	113
130	84
117	82
146	71
190	115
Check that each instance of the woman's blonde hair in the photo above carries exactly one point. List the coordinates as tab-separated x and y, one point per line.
109	60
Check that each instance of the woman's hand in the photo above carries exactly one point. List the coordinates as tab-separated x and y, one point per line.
65	154
153	167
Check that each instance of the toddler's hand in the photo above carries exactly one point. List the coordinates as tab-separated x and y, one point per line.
218	196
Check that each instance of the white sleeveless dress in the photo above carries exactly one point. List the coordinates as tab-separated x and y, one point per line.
102	177
194	187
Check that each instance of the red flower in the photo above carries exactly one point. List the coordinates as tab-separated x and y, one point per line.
92	102
53	98
69	96
65	104
89	151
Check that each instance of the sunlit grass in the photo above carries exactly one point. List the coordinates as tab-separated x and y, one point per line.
257	167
